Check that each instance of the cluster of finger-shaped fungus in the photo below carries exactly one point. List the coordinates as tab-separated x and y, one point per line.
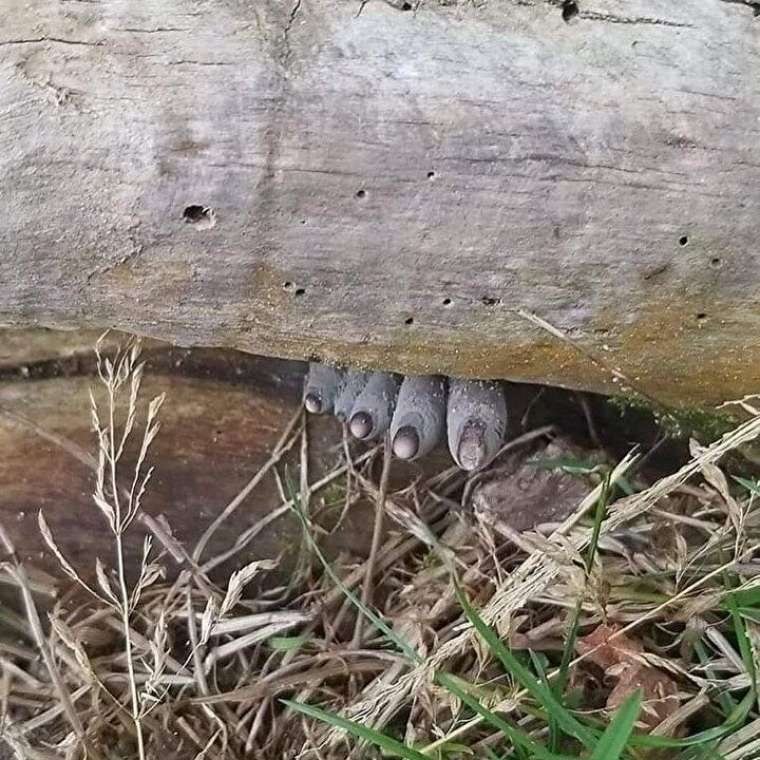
417	410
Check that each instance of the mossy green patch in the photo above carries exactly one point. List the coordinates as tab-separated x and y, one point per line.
703	423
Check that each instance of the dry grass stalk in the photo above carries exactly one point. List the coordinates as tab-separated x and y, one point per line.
204	667
377	534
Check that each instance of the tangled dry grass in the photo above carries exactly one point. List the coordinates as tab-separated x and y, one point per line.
655	591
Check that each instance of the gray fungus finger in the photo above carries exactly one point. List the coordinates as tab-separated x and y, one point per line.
352	385
321	389
418	411
476	419
420	416
373	409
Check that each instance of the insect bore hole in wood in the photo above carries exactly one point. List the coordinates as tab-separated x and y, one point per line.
683	240
290	287
360	194
569	10
201	217
409	321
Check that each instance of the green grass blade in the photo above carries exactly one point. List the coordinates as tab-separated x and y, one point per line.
751	613
569	648
747	598
569	465
287	643
567	652
518	737
370	614
614	740
726	701
731	724
745	647
565	720
386	743
753	486
554	732
625	485
707	752
601	512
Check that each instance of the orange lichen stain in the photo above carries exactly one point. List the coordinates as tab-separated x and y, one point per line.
679	352
261	306
672	351
270	290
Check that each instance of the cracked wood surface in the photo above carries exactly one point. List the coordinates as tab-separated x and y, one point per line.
428	190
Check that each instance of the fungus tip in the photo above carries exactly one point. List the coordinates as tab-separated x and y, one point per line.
406	443
313	403
471	451
361	425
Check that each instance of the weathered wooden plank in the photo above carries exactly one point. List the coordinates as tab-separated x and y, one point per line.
38	352
393	189
223	416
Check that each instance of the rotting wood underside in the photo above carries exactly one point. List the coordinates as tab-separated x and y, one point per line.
365	164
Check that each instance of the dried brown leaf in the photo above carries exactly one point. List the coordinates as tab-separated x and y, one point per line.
624	660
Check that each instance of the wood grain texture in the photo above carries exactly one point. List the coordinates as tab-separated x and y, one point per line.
213	440
222	417
394	189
